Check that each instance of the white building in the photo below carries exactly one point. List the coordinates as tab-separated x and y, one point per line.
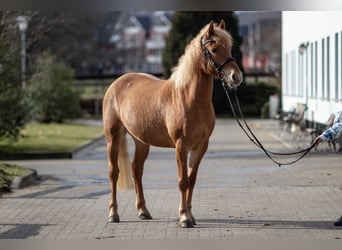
312	62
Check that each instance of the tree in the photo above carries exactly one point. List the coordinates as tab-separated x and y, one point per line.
12	102
185	25
13	108
51	90
79	38
74	37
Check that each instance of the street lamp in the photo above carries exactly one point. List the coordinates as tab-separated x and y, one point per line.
303	47
23	23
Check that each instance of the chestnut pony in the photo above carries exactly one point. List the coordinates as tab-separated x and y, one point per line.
176	113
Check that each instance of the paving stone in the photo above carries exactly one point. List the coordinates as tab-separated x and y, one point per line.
239	194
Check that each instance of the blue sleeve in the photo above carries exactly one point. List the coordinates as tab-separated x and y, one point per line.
336	129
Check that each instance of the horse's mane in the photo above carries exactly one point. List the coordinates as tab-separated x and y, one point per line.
190	61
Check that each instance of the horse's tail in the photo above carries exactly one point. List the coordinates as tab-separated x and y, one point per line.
125	177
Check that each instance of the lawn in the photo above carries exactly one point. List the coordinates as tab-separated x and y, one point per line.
43	138
52	137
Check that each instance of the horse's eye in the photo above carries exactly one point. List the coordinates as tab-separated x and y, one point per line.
214	50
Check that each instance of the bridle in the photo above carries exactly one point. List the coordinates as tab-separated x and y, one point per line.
207	55
247	130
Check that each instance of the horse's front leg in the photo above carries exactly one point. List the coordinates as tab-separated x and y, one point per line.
183	184
195	159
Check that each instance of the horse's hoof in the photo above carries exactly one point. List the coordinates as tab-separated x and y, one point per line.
186	224
194	221
145	216
114	218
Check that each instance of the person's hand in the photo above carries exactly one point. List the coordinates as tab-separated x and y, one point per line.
317	141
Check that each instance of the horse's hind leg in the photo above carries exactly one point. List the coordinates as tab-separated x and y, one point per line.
141	153
113	169
113	132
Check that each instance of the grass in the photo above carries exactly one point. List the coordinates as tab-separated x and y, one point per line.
47	138
92	89
8	173
43	138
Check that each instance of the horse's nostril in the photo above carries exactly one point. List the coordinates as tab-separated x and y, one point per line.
235	77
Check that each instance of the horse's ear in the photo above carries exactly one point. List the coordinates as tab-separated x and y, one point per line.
222	25
210	30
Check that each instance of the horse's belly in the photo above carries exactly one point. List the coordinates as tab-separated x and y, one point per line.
153	138
156	135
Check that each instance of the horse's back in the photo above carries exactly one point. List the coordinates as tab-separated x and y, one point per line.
135	85
132	78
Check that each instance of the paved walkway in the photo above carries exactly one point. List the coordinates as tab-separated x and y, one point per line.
239	194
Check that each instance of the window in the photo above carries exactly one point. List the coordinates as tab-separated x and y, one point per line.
316	70
323	67
300	82
287	74
293	73
312	62
337	52
328	68
340	82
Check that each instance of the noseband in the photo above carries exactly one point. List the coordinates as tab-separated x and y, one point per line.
207	55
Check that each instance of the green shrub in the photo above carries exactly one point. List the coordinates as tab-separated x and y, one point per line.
252	99
51	88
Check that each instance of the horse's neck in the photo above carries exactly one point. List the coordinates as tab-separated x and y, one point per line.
200	89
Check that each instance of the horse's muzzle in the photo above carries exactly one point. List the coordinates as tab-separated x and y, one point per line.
233	79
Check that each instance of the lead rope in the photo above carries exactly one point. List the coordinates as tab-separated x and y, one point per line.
254	139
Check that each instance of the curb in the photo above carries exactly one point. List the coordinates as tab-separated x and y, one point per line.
24	181
88	144
54	155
